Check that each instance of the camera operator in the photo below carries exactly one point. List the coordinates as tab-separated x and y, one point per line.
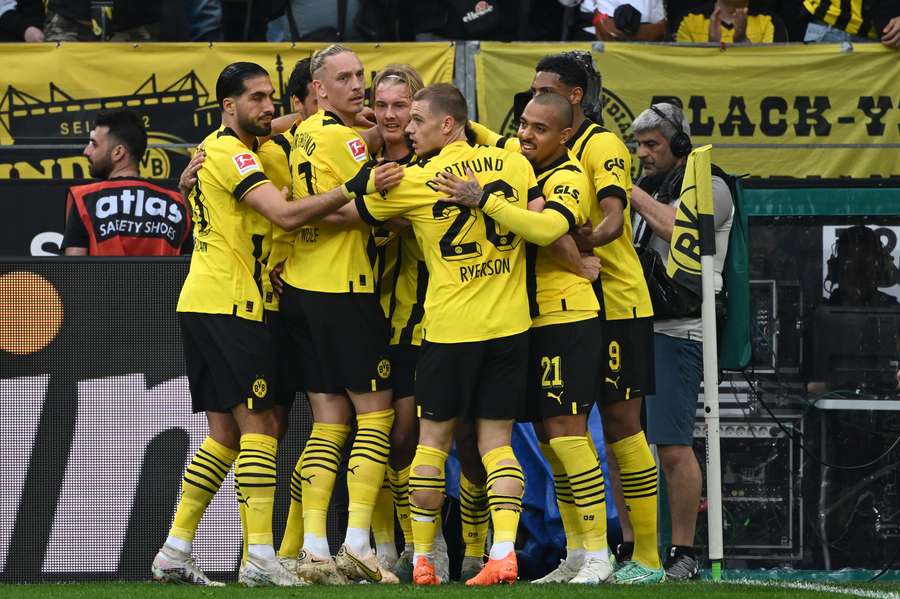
662	134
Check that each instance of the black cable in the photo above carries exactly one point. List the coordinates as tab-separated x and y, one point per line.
887	566
809	453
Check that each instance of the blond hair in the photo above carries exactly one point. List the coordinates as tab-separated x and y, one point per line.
317	61
398	73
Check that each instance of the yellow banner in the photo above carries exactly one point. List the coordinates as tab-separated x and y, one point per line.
794	111
50	94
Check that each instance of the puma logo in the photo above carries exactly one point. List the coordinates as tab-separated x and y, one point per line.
558	398
613	382
307	479
352	469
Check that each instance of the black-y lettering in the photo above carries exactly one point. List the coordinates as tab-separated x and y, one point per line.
875	112
737	119
699	125
773	128
811	112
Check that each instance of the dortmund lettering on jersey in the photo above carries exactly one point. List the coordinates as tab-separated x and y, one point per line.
558	295
230	251
275	155
607	164
325	153
476	285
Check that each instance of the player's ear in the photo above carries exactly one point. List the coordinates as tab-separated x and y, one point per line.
565	135
228	106
447	124
575	96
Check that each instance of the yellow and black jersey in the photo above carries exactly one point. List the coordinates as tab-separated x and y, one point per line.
607	164
325	154
275	155
402	281
555	294
762	28
476	284
852	16
231	240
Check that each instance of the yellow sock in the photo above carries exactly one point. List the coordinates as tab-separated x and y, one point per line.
201	481
321	459
425	522
501	463
292	540
564	501
637	471
256	473
400	489
588	490
473	512
242	512
383	515
365	469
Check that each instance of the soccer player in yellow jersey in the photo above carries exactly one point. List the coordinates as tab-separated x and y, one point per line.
473	359
627	369
228	350
566	342
333	313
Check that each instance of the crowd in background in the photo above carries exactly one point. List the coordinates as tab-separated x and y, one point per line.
716	21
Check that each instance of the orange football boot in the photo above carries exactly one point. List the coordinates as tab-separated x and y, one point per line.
497	571
423	573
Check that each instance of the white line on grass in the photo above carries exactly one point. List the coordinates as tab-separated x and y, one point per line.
819	588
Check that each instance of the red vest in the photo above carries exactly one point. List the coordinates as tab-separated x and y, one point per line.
132	217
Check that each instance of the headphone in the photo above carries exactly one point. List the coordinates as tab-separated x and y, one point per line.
863	239
680	143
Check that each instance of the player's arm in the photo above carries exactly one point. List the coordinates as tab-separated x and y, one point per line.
609	229
271	203
488	137
541	228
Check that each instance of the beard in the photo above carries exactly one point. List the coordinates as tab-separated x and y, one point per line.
255	128
100	168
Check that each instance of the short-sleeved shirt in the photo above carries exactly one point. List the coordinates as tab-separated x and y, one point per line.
558	295
607	164
275	155
230	250
326	258
476	285
762	28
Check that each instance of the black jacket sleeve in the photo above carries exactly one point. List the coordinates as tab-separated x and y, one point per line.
27	13
882	12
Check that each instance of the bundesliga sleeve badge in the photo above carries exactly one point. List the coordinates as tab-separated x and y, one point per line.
357	149
245	163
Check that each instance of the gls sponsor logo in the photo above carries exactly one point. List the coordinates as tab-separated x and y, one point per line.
107	478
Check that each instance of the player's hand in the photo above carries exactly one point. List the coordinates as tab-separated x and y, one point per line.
715	25
591	266
891	34
275	277
464	192
740	25
397	224
189	175
365	118
584	237
387	176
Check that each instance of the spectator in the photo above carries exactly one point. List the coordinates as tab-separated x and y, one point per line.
205	18
859	265
853	21
122	214
78	21
21	20
662	134
731	22
619	21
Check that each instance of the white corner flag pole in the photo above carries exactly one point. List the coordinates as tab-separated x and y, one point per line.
711	414
703	180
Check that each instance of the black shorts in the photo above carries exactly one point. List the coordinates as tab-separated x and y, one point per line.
403	369
287	359
342	339
478	379
230	361
562	369
627	364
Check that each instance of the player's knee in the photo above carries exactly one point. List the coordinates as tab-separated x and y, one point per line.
422	494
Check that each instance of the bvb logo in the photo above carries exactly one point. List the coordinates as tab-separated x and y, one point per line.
384	368
617	117
260	388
